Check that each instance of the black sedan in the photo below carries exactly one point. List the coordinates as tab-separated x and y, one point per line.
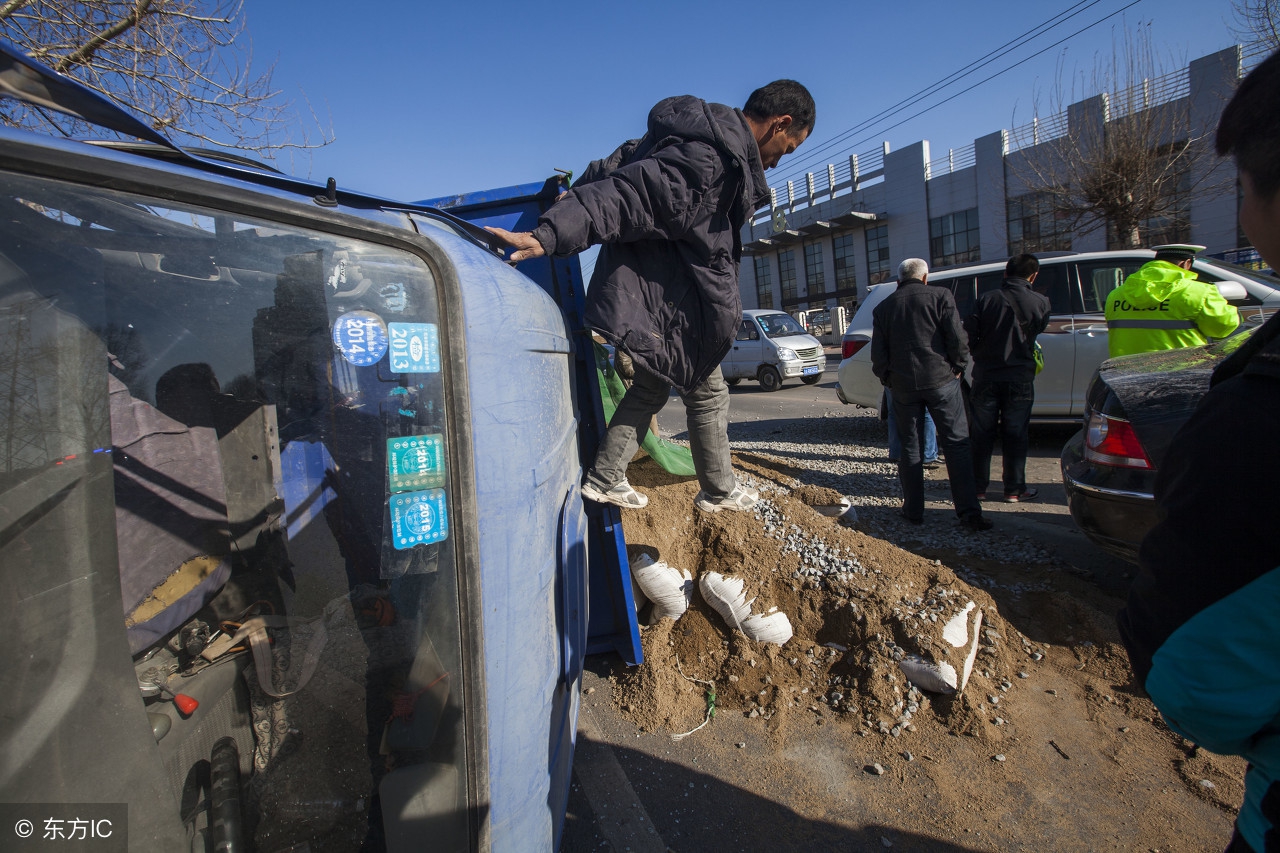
1134	406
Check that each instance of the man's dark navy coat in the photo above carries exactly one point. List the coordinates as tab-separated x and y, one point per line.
668	209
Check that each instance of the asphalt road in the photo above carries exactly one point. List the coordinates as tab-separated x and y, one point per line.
1047	519
605	811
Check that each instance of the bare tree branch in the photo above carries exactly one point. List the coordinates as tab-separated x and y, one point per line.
1131	160
184	66
12	6
1258	20
83	54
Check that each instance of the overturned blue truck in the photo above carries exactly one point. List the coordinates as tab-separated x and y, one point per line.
292	548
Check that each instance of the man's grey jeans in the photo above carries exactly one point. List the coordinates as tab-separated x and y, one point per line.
707	407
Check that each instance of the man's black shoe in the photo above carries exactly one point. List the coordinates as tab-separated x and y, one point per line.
909	519
976	522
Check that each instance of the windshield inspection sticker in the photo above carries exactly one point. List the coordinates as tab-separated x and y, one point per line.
415	462
361	337
415	348
419	518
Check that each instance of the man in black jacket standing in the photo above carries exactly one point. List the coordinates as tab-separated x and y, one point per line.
668	210
1002	331
918	350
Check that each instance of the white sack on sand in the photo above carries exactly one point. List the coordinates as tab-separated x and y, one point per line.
669	590
961	631
933	677
770	628
727	597
956	631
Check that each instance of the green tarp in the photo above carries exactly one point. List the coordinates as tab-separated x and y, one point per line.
673	458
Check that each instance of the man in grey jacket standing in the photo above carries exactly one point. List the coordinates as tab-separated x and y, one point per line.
919	351
668	211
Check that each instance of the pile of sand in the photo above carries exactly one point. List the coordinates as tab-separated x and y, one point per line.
851	628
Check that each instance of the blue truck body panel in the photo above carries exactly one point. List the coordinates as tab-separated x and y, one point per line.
613	626
542	578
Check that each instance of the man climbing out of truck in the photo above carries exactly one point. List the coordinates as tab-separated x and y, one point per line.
667	210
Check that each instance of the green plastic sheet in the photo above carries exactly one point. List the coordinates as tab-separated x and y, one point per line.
673	458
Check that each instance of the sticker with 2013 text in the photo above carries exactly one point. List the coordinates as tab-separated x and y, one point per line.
415	347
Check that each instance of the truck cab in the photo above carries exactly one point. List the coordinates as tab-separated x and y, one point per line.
291	557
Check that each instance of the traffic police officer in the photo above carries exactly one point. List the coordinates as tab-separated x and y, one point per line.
1165	306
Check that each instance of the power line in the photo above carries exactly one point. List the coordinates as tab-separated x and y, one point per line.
815	155
998	73
1035	32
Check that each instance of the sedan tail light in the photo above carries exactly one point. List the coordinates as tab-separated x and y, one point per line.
1111	441
850	346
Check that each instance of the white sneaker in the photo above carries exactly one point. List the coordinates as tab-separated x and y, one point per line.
741	498
620	495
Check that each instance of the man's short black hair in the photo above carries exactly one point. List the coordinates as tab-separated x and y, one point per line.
1250	127
783	98
1022	266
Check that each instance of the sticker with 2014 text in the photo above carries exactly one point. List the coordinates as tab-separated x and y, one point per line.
415	462
361	337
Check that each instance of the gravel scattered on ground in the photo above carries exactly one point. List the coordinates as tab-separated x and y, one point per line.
865	592
849	455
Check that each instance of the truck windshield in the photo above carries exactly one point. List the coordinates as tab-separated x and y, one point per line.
779	325
225	476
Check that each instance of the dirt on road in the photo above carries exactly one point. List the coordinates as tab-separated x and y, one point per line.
1050	746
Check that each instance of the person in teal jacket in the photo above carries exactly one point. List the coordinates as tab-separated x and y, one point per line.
1165	306
1202	621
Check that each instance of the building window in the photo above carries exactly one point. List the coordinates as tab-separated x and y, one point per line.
1034	225
1172	224
764	283
955	238
878	268
815	280
846	273
787	276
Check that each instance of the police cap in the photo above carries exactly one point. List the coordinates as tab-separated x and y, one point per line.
1175	252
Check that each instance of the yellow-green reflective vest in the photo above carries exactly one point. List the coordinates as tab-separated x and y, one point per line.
1162	306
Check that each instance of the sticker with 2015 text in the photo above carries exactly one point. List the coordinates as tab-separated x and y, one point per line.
419	518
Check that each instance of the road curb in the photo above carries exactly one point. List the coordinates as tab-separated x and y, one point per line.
620	817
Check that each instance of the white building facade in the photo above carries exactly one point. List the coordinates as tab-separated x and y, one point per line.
829	236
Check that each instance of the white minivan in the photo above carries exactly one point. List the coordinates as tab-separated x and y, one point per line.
772	347
1075	342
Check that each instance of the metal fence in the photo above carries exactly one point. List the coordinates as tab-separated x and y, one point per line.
857	170
955	159
1036	131
1149	93
836	179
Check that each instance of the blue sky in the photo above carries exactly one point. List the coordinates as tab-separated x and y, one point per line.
431	98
